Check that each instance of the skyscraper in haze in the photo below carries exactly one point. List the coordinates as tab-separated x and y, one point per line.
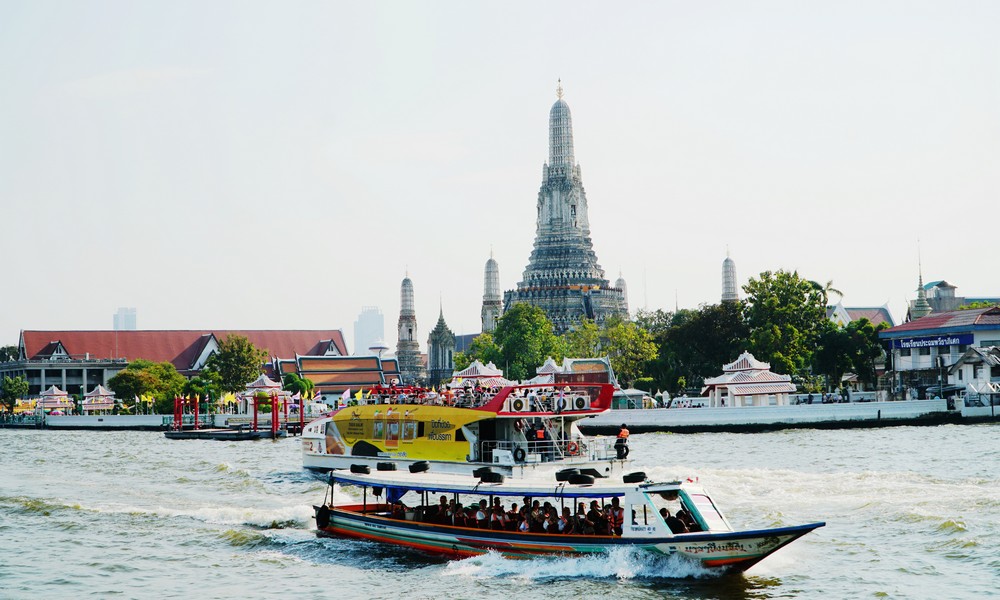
563	277
124	319
369	327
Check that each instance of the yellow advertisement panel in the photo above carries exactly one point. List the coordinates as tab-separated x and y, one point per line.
402	430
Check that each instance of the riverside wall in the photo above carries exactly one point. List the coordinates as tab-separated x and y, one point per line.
769	418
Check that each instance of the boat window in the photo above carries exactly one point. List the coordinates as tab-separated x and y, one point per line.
709	514
459	434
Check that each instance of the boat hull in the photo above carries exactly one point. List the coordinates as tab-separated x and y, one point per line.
734	551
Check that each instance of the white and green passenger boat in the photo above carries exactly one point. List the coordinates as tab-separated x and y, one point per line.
425	511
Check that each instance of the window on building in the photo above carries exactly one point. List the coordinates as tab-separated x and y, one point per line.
944	350
985	343
924	351
904	351
960	374
962	348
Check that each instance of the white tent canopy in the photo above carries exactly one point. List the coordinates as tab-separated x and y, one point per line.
100	398
55	398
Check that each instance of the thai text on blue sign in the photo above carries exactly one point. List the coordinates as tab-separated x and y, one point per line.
927	342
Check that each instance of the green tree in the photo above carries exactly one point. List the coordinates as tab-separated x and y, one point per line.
654	321
827	289
291	382
979	304
131	383
697	344
238	362
584	340
525	337
483	348
205	385
461	360
785	314
866	349
8	353
628	347
834	353
11	389
146	377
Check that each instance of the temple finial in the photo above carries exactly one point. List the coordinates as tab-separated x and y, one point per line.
559	90
920	265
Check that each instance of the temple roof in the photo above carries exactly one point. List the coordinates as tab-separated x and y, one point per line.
745	362
948	322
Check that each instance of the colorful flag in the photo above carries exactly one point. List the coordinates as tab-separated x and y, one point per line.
360	394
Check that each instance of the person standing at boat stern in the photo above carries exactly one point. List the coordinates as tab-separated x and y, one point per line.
621	443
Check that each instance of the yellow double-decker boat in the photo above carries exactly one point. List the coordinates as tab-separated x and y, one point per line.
516	431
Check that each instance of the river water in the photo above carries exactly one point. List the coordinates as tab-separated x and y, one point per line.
911	512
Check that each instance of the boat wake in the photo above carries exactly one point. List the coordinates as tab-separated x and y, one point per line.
618	563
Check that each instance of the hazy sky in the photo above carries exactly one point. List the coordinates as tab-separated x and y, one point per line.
282	164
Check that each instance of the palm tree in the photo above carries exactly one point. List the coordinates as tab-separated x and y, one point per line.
827	289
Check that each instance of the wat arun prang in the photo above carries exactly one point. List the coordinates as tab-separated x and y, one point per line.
562	276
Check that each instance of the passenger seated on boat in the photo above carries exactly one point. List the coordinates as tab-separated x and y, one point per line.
616	517
688	520
523	527
536	519
583	525
398	511
513	516
596	516
566	524
499	520
483	515
442	508
457	515
445	513
551	523
675	524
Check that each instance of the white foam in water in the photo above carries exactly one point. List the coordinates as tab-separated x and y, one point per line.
222	515
619	563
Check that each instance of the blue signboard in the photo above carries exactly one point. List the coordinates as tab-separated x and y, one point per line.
938	340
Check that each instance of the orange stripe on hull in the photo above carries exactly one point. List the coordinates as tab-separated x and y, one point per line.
408	544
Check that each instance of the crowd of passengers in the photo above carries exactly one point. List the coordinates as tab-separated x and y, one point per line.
535	517
539	399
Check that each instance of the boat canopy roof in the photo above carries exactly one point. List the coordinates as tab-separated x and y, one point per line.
463	484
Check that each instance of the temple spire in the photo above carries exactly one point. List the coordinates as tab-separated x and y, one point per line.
561	133
921	307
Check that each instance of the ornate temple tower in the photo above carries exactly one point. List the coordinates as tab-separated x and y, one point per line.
492	302
440	353
563	277
921	307
620	284
730	293
407	348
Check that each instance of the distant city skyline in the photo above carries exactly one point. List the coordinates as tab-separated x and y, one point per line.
285	166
